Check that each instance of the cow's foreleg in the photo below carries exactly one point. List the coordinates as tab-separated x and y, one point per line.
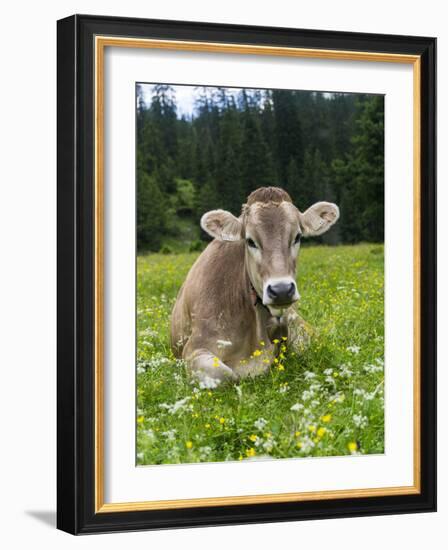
299	331
208	369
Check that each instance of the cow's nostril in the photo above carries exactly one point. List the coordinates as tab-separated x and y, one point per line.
271	292
291	290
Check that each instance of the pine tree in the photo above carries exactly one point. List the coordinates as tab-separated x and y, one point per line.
256	159
151	213
228	175
163	113
288	131
360	178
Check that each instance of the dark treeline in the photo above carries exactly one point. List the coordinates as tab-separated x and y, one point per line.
316	146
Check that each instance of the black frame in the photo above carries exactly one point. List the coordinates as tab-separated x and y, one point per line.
75	310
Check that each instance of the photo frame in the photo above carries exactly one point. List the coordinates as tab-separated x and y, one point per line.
85	503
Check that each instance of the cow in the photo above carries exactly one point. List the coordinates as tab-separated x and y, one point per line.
237	306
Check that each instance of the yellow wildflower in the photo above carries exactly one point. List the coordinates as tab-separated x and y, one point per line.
266	361
262	343
251	452
280	367
311	428
284	338
299	444
253	438
222	420
276	341
189	444
257	353
335	374
352	446
215	362
207	425
283	348
276	360
326	418
297	434
321	432
140	419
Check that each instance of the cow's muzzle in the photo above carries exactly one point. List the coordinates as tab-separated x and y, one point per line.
280	292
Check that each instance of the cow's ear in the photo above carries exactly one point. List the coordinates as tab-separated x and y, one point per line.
222	225
318	218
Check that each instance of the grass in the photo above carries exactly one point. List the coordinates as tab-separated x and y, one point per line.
329	401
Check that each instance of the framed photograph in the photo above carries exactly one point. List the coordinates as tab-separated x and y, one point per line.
246	274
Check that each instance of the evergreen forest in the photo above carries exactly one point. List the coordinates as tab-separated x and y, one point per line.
317	146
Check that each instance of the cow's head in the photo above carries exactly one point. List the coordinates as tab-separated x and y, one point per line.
272	228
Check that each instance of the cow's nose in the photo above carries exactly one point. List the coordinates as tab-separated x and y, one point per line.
281	292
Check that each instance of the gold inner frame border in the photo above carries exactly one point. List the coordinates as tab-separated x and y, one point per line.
101	42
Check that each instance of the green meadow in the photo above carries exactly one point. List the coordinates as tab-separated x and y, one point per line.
325	401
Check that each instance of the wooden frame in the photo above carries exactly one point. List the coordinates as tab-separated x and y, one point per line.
81	43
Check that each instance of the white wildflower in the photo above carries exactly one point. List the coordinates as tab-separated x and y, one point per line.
307	395
268	445
260	424
345	371
296	407
307	445
170	435
363	394
175	407
371	368
207	382
308	375
354	349
360	421
338	398
150	434
204	451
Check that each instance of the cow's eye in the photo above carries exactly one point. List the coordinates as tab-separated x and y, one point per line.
251	243
297	239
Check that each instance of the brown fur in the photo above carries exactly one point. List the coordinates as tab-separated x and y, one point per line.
268	194
215	326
